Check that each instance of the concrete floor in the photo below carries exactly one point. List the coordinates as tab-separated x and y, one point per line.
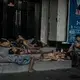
68	74
39	66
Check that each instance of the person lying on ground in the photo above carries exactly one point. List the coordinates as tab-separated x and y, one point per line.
18	59
35	44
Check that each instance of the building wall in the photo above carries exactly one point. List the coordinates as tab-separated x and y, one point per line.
37	20
53	20
61	17
44	20
56	32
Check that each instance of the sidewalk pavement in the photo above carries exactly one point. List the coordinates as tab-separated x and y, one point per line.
65	74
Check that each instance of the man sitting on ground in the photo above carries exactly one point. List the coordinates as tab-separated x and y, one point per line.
75	49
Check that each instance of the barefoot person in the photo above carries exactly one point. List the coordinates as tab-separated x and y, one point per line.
18	59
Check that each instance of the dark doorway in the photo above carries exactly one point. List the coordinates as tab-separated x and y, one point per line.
10	20
1	16
30	16
28	19
22	18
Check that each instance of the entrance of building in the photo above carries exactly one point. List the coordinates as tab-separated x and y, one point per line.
23	17
1	16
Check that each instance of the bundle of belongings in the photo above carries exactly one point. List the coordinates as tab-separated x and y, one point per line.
18	59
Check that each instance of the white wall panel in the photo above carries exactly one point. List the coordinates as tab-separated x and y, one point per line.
44	20
61	24
52	20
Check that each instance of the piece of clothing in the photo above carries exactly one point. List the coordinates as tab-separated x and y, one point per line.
18	59
25	51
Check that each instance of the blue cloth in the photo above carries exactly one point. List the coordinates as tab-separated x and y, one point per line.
19	59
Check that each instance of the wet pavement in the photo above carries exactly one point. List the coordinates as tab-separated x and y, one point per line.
67	74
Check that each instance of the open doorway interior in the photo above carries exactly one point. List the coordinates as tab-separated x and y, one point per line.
23	17
1	16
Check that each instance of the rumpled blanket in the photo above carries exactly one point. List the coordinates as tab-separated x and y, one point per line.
18	59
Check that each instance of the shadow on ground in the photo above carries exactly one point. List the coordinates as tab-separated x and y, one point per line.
68	74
